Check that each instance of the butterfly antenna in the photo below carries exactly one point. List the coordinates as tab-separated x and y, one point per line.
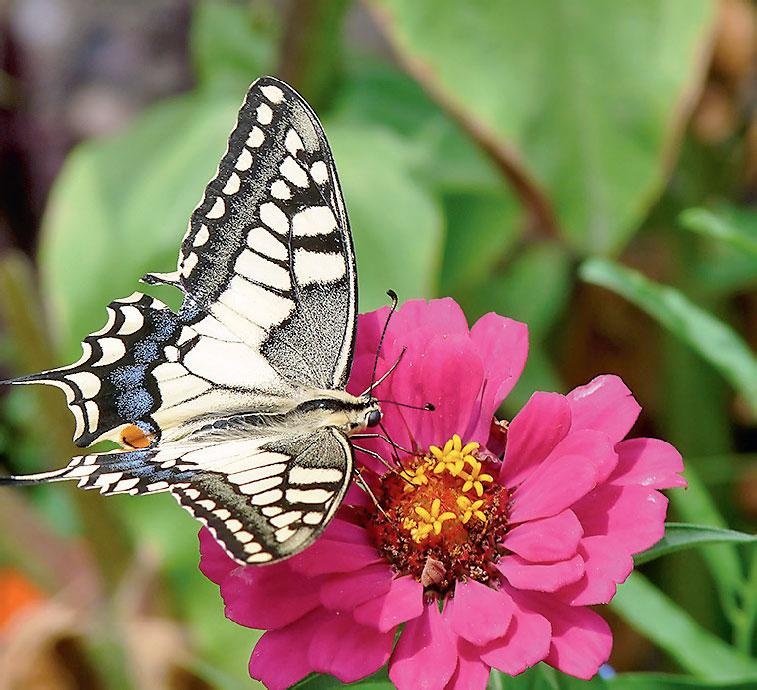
392	296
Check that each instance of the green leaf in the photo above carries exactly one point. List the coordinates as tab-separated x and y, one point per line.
233	43
654	615
714	340
442	155
586	96
534	288
739	230
481	228
388	210
543	677
119	208
679	536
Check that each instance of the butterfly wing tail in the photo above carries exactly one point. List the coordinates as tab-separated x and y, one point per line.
148	470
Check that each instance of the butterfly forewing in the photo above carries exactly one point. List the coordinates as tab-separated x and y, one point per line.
268	251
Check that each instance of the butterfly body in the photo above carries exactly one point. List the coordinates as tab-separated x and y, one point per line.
236	405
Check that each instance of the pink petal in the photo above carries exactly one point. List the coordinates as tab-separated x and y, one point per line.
554	486
581	640
329	556
346	591
215	563
403	602
594	447
526	641
268	597
321	642
479	613
346	650
503	347
604	404
648	462
544	577
426	654
551	539
606	566
471	672
532	434
275	645
633	516
451	379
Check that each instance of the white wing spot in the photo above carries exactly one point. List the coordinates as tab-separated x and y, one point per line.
318	267
233	525
319	172
255	138
260	486
264	113
88	383
243	536
286	519
93	414
284	533
171	352
157	486
314	475
270	511
273	93
280	190
267	497
189	263
113	349
133	320
232	184
192	494
222	514
254	548
202	236
291	170
126	484
292	142
261	240
219	208
312	518
308	495
274	218
316	220
244	161
262	271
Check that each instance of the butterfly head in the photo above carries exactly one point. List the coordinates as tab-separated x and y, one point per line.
351	414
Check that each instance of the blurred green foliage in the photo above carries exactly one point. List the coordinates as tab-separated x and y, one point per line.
513	155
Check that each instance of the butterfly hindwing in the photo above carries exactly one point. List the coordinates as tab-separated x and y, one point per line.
263	497
277	505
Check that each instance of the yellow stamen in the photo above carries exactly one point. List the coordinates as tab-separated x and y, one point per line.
453	456
415	478
431	520
470	509
475	478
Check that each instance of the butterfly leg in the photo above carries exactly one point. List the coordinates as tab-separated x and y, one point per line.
360	480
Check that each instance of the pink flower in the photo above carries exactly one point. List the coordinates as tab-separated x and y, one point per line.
494	539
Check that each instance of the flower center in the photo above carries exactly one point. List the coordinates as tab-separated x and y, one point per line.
443	516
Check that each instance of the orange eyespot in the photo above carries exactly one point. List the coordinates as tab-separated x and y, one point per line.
134	437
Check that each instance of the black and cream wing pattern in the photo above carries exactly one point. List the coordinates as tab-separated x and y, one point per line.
204	402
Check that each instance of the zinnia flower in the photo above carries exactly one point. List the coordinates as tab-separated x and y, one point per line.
492	540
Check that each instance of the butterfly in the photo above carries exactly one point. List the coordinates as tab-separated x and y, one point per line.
236	405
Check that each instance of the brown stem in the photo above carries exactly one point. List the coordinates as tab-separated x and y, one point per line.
543	221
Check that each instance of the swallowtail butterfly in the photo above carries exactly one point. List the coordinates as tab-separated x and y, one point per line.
236	404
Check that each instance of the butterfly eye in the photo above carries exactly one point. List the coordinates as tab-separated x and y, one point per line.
374	417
